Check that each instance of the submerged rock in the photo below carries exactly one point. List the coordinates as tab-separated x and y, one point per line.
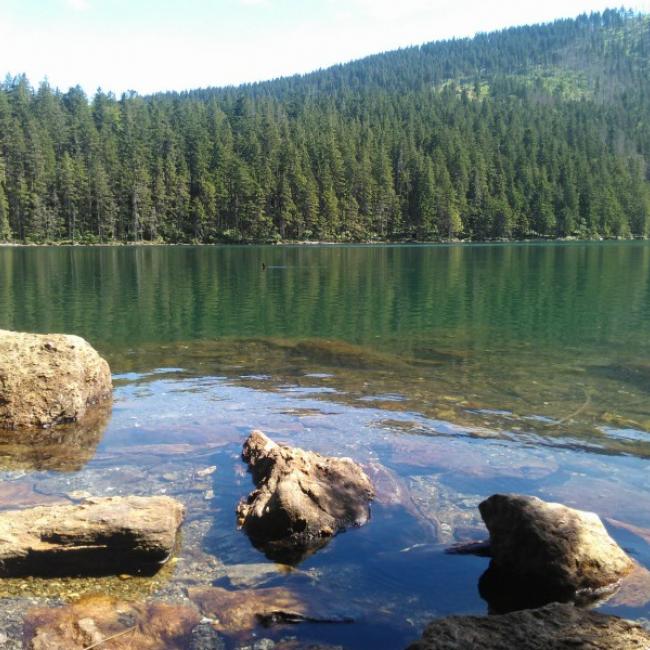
98	537
547	552
242	610
47	379
102	621
302	498
553	627
239	611
206	637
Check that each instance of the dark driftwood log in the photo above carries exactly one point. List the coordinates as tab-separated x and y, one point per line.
98	537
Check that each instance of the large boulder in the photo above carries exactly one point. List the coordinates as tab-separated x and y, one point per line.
100	536
302	498
46	379
553	627
550	551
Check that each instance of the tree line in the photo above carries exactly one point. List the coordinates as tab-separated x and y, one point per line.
538	131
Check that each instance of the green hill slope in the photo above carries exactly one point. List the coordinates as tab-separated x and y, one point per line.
537	131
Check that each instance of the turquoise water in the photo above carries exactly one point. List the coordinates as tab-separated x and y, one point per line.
449	372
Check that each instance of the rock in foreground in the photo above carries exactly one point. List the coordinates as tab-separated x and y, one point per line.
238	611
98	537
549	549
554	627
46	379
302	498
92	621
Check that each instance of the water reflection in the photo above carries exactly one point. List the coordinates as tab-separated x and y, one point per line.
448	373
64	448
286	553
505	594
556	295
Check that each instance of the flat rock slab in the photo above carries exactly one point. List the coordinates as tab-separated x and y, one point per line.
92	621
549	548
302	498
47	379
239	611
100	536
553	627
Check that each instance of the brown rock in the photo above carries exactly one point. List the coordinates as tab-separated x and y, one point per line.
302	498
549	550
46	379
238	611
95	619
98	537
554	627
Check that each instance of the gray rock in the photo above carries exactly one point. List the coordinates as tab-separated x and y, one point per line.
264	644
205	637
553	627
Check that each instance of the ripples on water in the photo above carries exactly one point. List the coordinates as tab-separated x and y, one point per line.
449	373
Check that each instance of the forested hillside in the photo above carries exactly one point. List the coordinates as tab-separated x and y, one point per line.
539	131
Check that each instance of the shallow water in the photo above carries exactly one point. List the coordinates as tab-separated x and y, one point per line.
450	373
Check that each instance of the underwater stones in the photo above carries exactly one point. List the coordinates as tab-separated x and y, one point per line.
239	611
100	536
254	574
103	621
452	515
234	612
205	637
46	379
302	498
548	549
553	627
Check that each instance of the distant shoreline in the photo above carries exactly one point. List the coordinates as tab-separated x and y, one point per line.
307	243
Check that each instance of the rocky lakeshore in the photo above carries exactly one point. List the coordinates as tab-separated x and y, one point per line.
143	535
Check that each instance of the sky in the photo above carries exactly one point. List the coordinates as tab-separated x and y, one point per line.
157	45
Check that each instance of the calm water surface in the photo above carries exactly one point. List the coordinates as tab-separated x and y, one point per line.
449	372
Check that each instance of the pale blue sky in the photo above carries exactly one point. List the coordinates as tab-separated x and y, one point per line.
149	45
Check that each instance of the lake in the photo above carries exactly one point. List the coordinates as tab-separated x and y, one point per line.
449	372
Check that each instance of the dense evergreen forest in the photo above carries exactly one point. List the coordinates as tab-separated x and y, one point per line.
536	131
